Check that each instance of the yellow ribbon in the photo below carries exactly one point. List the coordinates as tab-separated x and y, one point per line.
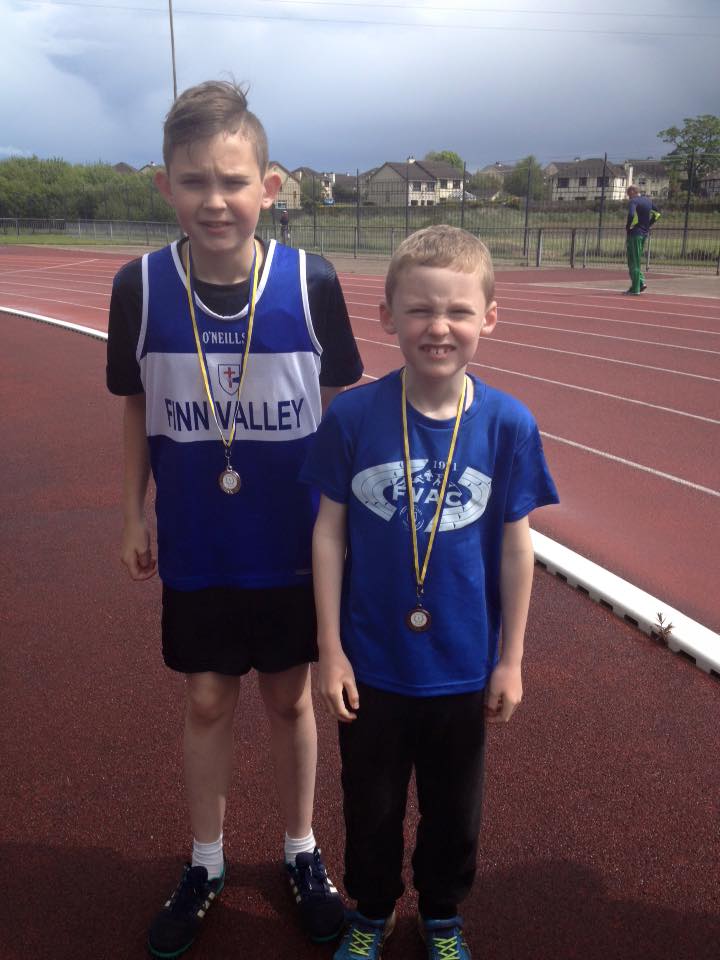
201	357
420	575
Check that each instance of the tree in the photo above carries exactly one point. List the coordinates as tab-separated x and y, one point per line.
698	138
516	182
446	156
483	185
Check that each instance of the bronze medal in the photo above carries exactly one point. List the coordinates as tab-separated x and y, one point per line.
229	481
418	620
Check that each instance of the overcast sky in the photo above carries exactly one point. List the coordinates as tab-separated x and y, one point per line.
349	85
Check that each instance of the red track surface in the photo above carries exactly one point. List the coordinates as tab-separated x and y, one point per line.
635	379
601	828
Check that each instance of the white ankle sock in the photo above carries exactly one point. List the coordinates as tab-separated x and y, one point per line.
296	845
210	856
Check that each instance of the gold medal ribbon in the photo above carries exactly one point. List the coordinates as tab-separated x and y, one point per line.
420	574
227	443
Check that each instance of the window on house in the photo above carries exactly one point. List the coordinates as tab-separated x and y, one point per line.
444	184
430	187
456	184
563	183
416	185
582	182
606	181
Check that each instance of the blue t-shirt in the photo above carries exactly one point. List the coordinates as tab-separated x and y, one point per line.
642	214
498	475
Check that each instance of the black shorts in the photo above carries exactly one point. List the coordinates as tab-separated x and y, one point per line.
232	631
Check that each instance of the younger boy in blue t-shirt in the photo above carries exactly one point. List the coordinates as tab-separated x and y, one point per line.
421	556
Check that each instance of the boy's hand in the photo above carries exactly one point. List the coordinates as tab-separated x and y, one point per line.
336	678
504	693
136	552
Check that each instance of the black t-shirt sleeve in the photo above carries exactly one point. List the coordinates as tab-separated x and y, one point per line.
340	363
123	370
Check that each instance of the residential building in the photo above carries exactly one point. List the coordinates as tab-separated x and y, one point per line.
498	170
323	182
415	183
710	184
650	176
583	179
289	196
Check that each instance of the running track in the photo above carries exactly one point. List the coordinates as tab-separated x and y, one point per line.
601	837
626	392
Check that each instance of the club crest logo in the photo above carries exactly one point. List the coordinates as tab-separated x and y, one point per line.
229	377
382	489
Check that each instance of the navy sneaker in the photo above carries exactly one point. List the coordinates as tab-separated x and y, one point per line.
444	939
364	939
322	914
174	929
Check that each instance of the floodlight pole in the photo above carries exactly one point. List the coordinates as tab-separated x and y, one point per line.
172	49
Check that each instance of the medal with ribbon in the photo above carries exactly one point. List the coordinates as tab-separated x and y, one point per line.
229	479
419	619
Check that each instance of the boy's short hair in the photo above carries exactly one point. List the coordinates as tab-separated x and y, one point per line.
442	246
216	106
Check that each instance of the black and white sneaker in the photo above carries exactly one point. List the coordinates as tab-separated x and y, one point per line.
322	914
174	929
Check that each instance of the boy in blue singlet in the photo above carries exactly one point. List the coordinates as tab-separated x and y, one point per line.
421	551
226	351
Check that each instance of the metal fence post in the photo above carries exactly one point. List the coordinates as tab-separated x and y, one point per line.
357	208
538	255
462	198
573	239
314	205
355	243
585	241
647	253
602	206
526	238
687	204
407	197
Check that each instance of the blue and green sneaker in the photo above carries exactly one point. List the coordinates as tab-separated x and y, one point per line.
444	939
364	938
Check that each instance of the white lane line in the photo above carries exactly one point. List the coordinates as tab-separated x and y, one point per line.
631	463
577	316
67	303
591	356
586	333
610	336
625	304
55	266
569	386
587	356
12	286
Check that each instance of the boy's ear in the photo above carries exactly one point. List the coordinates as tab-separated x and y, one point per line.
386	318
162	182
272	183
490	320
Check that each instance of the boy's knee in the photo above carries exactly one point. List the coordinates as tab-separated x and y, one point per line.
208	701
287	701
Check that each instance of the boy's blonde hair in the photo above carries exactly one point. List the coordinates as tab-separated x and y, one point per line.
442	246
216	106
